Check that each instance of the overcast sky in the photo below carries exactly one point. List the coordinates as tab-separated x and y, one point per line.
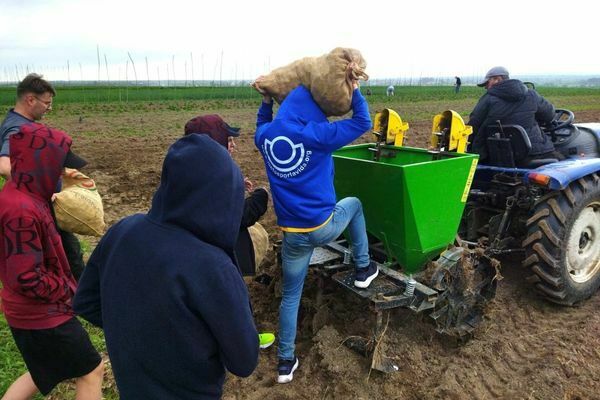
397	38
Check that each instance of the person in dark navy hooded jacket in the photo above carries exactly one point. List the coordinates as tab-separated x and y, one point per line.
164	286
511	102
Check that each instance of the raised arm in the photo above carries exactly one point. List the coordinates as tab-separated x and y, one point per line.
265	112
340	133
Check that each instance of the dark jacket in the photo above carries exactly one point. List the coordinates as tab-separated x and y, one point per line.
174	308
37	285
255	206
511	102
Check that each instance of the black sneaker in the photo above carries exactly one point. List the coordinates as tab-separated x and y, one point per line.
364	276
285	370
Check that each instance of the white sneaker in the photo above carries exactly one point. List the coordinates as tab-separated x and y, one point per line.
286	369
365	276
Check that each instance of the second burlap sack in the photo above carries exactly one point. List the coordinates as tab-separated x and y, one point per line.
260	241
78	207
329	79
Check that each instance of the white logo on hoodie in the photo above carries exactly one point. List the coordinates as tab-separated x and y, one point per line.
291	166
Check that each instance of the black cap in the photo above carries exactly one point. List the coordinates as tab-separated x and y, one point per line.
72	160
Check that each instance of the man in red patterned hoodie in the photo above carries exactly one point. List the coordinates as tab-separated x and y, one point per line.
37	284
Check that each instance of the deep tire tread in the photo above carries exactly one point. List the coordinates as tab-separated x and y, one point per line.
546	277
550	234
584	186
532	259
544	254
570	196
557	211
540	214
545	244
532	238
558	296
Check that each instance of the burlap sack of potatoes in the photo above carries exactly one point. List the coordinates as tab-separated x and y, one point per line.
329	79
260	241
78	206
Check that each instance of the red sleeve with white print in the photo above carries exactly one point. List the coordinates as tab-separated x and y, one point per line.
30	271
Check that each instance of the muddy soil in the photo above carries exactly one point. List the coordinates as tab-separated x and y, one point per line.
526	348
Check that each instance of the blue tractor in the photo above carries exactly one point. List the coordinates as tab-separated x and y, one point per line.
546	210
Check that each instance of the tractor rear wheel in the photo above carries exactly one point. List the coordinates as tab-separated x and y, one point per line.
563	242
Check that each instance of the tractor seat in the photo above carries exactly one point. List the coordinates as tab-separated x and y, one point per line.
507	145
537	162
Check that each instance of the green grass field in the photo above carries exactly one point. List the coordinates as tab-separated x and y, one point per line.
414	103
110	94
13	365
10	358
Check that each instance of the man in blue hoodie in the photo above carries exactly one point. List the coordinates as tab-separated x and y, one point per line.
164	287
297	150
511	102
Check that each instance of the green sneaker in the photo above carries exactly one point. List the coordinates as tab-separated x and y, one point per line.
266	339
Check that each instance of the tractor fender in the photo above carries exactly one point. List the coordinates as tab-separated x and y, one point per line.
594	127
564	172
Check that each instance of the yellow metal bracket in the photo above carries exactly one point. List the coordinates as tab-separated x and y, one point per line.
389	126
449	132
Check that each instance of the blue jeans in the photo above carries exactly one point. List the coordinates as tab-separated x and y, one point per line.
296	252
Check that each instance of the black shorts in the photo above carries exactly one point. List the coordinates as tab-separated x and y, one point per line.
56	354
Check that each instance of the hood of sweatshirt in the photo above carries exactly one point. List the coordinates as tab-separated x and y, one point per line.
37	156
299	106
201	190
510	90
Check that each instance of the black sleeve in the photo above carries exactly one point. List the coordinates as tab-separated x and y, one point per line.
545	111
479	114
87	302
255	206
223	303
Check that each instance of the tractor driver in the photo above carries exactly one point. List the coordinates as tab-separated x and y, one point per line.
512	103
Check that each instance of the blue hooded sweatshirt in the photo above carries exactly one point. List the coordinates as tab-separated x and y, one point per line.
297	148
173	305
